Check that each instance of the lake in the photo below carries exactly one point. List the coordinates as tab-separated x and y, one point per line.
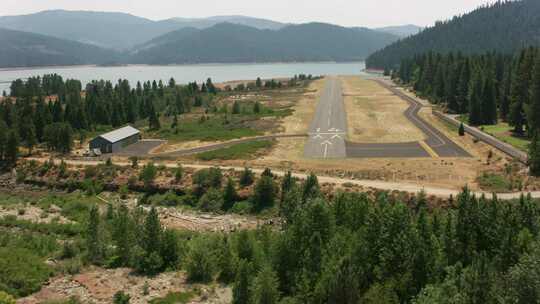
184	73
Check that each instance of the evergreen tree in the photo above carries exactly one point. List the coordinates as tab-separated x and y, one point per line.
94	241
11	150
533	113
230	195
264	193
241	288
265	287
534	155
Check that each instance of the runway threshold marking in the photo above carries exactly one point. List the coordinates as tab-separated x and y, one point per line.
428	149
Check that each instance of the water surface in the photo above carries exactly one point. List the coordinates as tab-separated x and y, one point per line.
184	73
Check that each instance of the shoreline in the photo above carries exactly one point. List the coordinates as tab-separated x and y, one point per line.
8	69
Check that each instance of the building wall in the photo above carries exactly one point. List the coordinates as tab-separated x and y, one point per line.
101	144
117	146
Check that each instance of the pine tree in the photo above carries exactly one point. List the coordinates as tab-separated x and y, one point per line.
534	155
475	100
461	130
533	113
230	195
489	101
241	288
94	242
11	150
265	287
264	194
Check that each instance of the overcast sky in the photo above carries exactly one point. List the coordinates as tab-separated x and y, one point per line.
370	13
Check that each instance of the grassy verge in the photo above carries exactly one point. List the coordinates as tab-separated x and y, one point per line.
503	132
213	129
174	297
239	151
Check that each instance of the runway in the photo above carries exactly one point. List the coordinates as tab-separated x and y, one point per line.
328	132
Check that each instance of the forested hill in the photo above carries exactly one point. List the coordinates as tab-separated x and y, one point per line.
504	27
226	42
27	49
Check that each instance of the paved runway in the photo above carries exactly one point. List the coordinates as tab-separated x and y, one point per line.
328	132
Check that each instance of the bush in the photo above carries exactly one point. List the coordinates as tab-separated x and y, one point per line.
121	298
148	174
207	178
21	271
200	262
461	130
6	298
211	201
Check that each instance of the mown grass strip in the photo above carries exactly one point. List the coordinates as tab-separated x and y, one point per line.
238	151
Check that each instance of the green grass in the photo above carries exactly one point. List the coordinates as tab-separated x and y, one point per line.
494	182
213	129
174	298
239	151
503	132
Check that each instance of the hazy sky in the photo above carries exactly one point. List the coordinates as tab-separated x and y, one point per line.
371	13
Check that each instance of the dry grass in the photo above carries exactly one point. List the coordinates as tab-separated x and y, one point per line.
375	115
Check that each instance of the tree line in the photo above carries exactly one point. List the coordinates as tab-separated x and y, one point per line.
488	88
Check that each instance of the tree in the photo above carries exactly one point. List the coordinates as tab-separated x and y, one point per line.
287	184
230	195
211	201
265	287
200	265
264	194
310	188
533	113
11	153
257	108
241	288
461	130
226	263
246	178
258	83
236	107
151	262
148	174
94	241
534	155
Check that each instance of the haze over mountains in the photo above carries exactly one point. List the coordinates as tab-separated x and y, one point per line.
124	38
504	27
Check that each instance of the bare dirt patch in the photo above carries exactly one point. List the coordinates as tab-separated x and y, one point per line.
34	214
375	115
98	285
178	219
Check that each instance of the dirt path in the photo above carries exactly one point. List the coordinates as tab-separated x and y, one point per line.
379	185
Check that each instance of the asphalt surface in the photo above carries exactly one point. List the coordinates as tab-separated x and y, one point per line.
435	139
328	130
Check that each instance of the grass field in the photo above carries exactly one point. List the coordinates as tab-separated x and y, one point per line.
502	131
239	151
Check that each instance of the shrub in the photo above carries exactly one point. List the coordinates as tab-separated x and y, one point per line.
200	264
148	174
246	178
461	130
207	178
6	298
21	271
121	298
211	201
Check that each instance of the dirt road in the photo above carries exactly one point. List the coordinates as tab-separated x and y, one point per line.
380	185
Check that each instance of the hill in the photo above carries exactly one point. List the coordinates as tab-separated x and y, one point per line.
114	30
21	49
401	30
503	27
227	42
202	23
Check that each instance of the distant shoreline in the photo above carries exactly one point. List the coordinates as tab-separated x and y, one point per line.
7	69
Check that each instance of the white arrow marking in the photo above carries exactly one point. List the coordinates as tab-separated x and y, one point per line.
336	136
318	130
317	136
326	144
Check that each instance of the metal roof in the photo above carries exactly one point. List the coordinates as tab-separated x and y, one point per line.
119	134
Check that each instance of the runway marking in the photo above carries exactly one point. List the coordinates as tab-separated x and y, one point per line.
428	149
326	143
336	136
